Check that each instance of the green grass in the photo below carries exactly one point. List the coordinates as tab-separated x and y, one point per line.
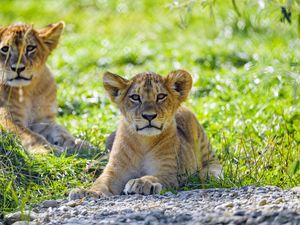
246	87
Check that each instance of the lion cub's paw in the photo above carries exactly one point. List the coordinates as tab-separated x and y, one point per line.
57	150
81	147
38	149
82	144
45	149
79	193
140	186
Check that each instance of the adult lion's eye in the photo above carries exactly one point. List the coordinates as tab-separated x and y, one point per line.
160	97
135	98
30	48
4	49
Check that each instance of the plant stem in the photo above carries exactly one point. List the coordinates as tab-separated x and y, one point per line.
236	8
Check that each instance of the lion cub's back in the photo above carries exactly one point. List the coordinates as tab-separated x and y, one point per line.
194	144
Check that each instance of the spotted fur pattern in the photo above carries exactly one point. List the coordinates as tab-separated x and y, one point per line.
158	143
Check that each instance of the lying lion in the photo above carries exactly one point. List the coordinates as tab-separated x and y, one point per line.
28	89
158	142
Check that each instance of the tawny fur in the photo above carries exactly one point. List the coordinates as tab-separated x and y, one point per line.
28	89
146	160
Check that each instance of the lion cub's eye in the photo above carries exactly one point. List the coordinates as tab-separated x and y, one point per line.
161	97
4	49
30	48
135	98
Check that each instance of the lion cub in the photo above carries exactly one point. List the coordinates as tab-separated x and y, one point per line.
28	89
158	143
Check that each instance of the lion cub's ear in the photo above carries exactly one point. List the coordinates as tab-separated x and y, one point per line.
51	33
180	82
2	29
115	86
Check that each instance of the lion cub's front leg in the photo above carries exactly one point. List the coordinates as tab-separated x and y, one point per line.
59	136
36	144
33	142
111	181
160	173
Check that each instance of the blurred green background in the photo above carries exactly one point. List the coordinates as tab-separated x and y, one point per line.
246	84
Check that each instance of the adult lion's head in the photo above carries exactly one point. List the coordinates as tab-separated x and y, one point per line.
24	50
148	101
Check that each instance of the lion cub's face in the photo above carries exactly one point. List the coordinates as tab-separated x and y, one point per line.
148	101
24	50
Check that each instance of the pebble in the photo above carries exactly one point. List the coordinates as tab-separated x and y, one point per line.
228	205
247	205
149	220
66	216
84	212
234	194
262	202
278	200
73	203
19	216
295	189
24	223
45	218
183	218
239	213
64	208
50	203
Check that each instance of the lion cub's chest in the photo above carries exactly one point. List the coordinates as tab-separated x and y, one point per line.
31	107
149	165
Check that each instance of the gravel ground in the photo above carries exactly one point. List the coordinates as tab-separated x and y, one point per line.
246	205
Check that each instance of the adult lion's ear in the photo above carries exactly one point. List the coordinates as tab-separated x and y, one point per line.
115	86
180	83
51	34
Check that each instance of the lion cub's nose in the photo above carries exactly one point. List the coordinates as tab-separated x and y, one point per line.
149	117
17	68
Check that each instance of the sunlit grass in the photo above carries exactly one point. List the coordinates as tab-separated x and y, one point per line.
246	87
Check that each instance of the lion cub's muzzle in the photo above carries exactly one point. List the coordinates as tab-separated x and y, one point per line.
18	78
150	127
